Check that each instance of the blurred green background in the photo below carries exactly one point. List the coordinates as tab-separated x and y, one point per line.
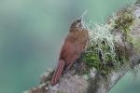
32	32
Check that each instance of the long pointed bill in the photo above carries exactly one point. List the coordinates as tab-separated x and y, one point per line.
82	18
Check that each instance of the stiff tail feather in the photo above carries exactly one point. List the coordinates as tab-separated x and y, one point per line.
58	72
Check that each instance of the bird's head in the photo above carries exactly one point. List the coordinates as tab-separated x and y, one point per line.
79	23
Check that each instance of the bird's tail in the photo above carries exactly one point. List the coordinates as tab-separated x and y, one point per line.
58	72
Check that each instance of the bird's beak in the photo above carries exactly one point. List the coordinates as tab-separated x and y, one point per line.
84	13
82	18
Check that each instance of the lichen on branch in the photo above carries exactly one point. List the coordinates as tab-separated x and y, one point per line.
114	50
105	53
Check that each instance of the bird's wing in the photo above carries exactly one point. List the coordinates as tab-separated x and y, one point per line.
71	51
67	50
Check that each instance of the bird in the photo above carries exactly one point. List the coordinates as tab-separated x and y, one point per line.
74	45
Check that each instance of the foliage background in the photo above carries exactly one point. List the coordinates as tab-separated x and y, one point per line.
32	32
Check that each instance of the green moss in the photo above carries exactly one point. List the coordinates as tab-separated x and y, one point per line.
102	55
123	22
134	41
100	61
92	59
60	91
109	60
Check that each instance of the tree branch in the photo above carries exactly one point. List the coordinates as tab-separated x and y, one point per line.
96	81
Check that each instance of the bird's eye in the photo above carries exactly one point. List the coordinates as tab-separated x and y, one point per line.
79	20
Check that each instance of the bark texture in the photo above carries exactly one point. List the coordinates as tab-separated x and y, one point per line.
96	82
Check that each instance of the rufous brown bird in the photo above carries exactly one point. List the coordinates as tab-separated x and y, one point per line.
74	44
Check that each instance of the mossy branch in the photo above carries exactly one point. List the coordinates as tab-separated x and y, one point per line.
113	51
